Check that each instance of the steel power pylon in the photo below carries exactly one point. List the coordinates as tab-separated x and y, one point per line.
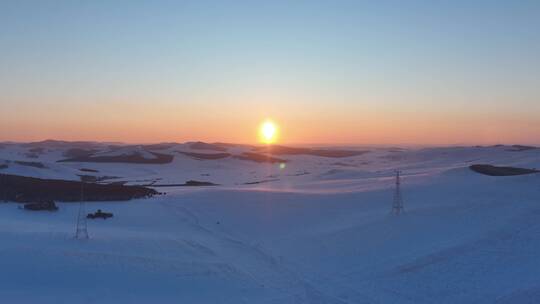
81	232
397	205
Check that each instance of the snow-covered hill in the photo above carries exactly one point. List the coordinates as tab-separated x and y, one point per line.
313	229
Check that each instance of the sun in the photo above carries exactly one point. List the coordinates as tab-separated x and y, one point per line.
268	132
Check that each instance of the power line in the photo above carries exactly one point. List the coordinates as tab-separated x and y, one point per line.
397	205
81	232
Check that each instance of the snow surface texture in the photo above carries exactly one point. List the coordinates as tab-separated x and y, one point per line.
317	230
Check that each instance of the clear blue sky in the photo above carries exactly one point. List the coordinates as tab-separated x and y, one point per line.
327	71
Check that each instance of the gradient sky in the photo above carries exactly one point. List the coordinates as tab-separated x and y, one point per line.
355	72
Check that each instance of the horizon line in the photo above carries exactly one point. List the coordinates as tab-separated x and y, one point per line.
275	144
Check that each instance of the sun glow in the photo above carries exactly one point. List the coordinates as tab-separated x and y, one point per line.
268	132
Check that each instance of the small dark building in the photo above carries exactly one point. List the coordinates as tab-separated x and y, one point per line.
99	214
45	205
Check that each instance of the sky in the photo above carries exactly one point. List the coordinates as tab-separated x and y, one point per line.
327	72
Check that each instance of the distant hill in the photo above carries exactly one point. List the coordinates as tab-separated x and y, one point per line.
134	158
204	146
205	156
519	148
259	158
282	150
50	143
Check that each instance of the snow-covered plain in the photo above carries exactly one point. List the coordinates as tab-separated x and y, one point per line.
313	230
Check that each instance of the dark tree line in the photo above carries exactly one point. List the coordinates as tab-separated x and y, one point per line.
28	189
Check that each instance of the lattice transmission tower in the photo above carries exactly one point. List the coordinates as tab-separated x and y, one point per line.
81	232
397	205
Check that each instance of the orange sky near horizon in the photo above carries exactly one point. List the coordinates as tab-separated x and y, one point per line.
320	123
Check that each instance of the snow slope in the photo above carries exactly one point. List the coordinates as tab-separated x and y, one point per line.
316	231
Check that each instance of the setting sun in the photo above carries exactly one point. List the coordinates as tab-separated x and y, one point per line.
268	132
